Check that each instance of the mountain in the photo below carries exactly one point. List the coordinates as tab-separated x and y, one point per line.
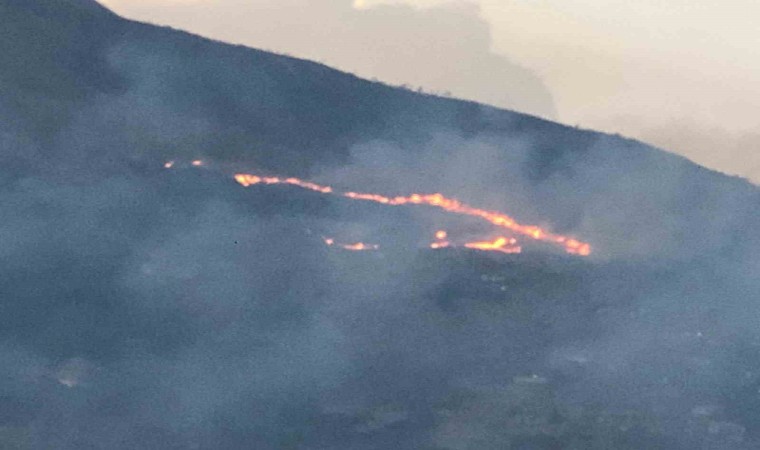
122	92
146	307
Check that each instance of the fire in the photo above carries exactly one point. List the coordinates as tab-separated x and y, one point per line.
356	247
361	246
249	180
571	246
441	241
500	244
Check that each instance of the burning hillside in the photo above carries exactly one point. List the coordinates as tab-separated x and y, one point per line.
502	244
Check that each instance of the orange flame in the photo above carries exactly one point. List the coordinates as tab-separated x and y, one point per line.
500	244
571	246
361	246
441	240
249	180
357	247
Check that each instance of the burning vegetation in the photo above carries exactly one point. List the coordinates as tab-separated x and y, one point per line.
501	244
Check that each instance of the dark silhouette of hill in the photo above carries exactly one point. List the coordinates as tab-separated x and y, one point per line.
149	308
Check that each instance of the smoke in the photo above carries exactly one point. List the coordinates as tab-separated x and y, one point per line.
654	204
141	314
680	293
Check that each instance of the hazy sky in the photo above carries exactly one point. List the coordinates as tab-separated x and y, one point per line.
682	74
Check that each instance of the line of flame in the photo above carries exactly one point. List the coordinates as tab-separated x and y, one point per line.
571	246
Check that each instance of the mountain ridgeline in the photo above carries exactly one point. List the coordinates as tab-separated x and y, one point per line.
155	308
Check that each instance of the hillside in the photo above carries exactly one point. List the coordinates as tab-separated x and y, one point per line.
152	307
120	92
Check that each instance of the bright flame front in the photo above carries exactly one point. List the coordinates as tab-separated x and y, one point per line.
501	244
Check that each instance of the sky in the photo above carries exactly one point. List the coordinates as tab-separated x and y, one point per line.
683	75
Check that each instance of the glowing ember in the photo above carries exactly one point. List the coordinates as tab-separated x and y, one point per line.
360	246
168	164
249	180
500	244
441	240
357	247
197	163
454	206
